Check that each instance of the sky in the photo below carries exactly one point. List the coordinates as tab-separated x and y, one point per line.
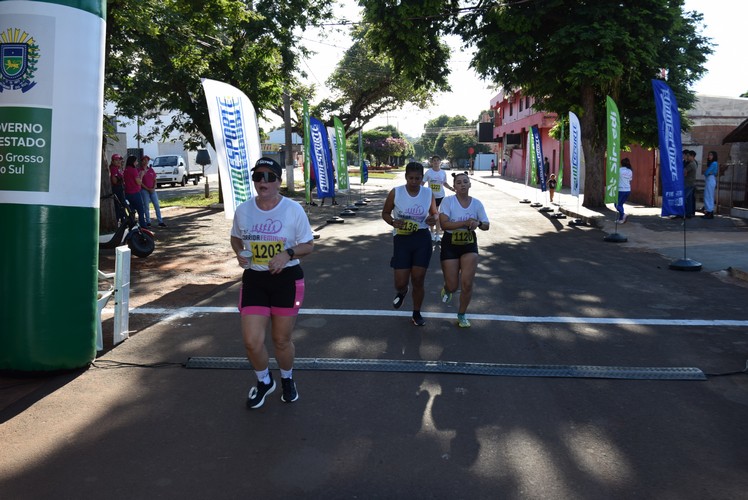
727	73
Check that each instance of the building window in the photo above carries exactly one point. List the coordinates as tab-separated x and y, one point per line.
520	105
511	107
527	102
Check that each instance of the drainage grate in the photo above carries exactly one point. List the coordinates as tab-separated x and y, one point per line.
465	368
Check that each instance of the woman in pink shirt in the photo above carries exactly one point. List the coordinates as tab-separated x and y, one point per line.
133	181
115	178
148	190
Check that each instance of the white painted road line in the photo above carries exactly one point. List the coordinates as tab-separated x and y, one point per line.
186	312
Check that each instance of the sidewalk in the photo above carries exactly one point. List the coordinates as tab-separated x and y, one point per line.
719	244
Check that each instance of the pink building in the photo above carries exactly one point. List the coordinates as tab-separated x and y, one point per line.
512	119
713	118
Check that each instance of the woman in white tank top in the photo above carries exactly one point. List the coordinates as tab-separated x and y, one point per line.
410	210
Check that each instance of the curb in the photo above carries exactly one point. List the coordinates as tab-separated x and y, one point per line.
737	273
594	221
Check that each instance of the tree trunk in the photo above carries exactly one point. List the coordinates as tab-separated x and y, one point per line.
107	216
594	152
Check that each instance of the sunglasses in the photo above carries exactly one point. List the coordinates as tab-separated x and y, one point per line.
267	176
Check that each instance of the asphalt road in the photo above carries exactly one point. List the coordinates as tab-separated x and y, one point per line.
546	295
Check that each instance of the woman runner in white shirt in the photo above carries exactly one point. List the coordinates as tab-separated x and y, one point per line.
436	179
269	235
460	215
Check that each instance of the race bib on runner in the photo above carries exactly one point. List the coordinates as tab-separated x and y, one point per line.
263	251
462	237
409	227
435	187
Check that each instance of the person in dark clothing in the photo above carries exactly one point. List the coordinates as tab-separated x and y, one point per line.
689	181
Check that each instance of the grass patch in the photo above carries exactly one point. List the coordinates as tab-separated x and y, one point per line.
193	200
381	175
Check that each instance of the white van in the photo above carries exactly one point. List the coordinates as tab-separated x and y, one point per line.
172	169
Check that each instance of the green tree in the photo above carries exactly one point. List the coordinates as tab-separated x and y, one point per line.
365	86
419	152
437	130
428	138
385	144
457	145
158	51
570	55
409	32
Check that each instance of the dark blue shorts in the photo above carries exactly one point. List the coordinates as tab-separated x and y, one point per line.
413	250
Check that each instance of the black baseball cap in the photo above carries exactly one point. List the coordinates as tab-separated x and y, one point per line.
269	163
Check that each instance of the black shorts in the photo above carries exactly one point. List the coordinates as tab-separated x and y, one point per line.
412	250
266	294
451	250
439	201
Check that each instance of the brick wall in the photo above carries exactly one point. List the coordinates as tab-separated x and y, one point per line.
709	137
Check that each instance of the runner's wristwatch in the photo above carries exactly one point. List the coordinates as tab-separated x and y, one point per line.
290	252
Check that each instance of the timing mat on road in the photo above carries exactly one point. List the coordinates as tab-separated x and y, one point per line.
456	367
463	368
186	312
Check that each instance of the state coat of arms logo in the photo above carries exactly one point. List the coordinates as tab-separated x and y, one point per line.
18	57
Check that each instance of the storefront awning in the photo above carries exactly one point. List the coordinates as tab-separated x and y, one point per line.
740	134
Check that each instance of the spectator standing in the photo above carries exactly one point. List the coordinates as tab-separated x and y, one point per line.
493	167
312	184
410	210
689	182
625	176
334	202
117	180
133	181
148	190
710	183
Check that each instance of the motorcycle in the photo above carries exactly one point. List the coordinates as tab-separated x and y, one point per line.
140	240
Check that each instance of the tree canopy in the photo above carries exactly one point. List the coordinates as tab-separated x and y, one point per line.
569	55
410	33
365	86
437	130
457	146
157	52
385	144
